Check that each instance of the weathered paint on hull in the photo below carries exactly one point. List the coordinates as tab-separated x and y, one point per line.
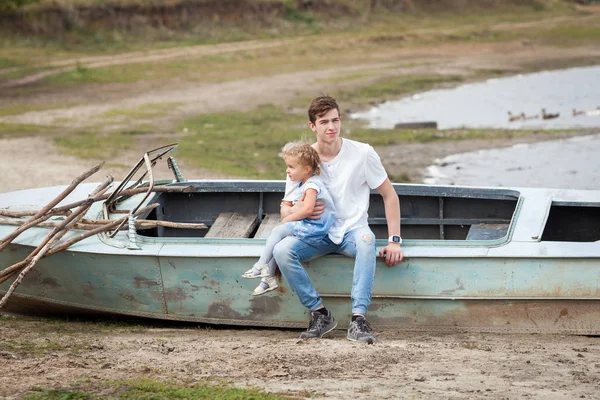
478	294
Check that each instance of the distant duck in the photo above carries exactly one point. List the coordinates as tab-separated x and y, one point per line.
526	117
546	115
512	117
589	113
593	113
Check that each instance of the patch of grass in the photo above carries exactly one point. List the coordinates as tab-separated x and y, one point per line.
17	109
295	15
82	75
346	78
29	347
566	35
16	130
241	143
394	87
9	63
247	144
151	389
57	394
142	112
94	145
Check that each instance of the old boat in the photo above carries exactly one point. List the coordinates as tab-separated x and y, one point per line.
479	259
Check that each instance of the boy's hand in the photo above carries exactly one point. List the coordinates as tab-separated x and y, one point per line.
318	210
393	254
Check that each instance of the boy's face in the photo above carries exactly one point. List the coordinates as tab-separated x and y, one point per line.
327	127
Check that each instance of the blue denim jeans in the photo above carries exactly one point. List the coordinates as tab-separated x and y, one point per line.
359	243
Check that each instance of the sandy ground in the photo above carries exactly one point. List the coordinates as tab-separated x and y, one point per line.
399	365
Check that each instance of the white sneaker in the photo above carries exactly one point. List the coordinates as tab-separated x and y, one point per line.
266	284
258	271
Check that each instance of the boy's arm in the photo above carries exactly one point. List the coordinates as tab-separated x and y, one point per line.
392	252
303	209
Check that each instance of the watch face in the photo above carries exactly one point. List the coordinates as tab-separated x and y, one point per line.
396	239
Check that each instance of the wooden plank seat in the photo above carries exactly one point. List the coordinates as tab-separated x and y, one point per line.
269	222
487	231
233	225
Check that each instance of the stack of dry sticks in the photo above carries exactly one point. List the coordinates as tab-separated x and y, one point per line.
71	216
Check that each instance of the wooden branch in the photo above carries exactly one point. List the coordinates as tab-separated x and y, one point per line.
88	224
47	211
18	214
147	223
54	236
158	189
31	222
57	233
68	190
66	209
6	273
49	242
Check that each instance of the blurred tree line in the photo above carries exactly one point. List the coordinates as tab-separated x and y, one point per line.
11	5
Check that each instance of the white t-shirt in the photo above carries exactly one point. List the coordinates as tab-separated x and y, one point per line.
349	177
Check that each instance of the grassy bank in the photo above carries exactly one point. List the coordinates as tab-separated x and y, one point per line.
150	390
247	144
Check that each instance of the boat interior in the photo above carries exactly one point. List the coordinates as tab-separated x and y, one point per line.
247	209
250	209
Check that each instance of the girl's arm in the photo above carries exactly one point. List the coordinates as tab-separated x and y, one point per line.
305	207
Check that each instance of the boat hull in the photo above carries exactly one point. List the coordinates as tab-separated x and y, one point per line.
422	294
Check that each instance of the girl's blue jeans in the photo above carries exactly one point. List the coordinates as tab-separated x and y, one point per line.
358	243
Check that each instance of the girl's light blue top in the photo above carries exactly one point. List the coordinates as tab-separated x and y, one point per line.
309	230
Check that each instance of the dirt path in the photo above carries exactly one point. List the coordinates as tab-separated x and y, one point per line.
399	365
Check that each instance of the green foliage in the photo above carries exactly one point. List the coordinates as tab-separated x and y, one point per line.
58	394
247	144
241	143
93	145
13	130
29	347
147	389
293	14
395	86
12	5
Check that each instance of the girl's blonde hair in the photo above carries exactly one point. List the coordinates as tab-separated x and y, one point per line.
304	153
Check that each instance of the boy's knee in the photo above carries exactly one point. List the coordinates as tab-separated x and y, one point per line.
368	238
365	242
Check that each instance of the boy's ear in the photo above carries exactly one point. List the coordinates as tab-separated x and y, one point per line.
311	126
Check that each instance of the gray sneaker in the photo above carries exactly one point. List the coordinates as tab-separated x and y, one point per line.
360	330
319	325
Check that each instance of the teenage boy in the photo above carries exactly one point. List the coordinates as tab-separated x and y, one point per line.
350	170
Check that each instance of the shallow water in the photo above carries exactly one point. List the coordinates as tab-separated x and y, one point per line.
572	163
486	104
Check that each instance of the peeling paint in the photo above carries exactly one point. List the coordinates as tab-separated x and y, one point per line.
222	309
50	282
139	281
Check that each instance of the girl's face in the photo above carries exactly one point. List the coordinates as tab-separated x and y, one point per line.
297	171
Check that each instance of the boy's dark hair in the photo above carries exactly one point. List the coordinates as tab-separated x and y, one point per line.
321	106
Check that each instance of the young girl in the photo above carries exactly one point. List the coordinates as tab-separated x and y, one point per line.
302	163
